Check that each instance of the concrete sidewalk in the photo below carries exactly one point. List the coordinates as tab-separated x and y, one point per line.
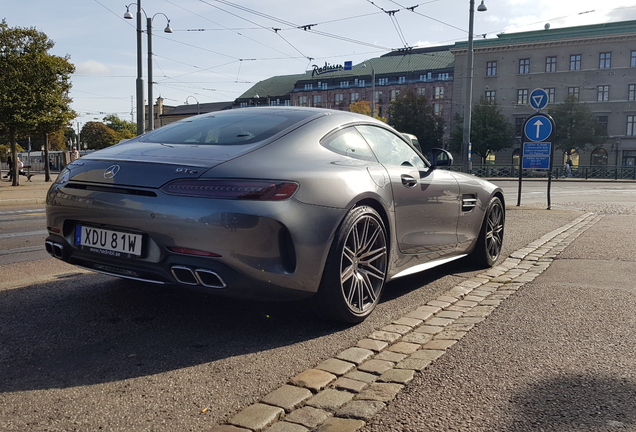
27	193
557	355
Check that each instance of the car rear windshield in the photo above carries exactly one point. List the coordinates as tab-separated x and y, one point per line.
226	128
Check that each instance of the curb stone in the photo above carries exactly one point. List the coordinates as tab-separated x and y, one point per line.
418	339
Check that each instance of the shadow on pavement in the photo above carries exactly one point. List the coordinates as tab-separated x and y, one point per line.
576	403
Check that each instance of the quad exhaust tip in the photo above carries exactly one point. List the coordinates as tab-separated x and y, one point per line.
54	249
196	277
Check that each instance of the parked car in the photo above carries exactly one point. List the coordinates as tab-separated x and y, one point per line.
272	203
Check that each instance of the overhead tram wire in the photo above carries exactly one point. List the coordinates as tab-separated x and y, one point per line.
307	27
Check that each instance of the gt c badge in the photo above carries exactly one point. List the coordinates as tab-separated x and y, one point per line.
111	171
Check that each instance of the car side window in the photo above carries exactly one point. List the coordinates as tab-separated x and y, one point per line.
349	142
389	148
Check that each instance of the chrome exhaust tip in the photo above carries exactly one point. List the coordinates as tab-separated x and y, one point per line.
184	275
209	279
56	250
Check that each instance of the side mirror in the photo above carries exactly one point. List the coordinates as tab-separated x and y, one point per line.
440	157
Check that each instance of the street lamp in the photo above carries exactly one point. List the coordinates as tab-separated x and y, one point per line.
140	83
198	106
372	87
469	86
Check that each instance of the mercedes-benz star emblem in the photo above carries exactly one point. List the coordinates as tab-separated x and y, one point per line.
111	171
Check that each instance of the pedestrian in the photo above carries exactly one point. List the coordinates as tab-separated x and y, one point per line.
75	154
9	166
568	168
20	166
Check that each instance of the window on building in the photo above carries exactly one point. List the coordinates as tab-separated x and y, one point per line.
421	91
354	97
439	93
602	93
491	68
631	125
605	60
287	102
550	64
394	94
361	83
601	125
515	156
599	157
522	96
438	109
383	81
491	158
344	84
422	77
632	59
378	97
302	100
551	94
339	98
243	104
317	100
490	96
519	125
309	86
524	66
631	92
443	76
575	62
574	91
322	85
402	80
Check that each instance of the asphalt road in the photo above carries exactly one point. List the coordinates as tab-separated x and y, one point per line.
82	351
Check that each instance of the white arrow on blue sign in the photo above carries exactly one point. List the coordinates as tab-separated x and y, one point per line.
538	128
538	99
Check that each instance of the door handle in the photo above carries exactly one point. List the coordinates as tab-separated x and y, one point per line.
409	181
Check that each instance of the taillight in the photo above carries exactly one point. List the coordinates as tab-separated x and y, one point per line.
232	189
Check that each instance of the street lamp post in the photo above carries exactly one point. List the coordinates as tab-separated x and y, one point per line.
140	81
198	106
466	150
151	103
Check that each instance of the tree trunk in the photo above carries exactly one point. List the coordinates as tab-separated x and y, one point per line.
14	156
47	168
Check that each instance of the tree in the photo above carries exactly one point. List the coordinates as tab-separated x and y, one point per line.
34	85
125	129
98	136
412	113
489	130
575	126
364	107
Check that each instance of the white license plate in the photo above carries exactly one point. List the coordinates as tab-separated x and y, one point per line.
108	242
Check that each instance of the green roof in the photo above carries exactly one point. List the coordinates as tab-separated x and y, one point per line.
277	85
580	32
426	59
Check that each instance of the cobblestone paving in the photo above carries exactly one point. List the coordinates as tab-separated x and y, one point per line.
340	394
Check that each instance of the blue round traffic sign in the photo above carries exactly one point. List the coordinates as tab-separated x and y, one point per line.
538	128
538	99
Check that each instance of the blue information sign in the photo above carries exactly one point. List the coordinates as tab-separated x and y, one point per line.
348	65
538	128
538	99
536	155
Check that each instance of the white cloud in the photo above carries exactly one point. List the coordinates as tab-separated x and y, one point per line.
92	67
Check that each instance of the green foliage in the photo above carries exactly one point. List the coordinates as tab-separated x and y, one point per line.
490	131
575	126
34	85
98	136
364	107
411	113
125	129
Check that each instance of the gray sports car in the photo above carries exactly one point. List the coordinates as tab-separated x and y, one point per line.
273	203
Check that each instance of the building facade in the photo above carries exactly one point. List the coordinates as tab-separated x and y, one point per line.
596	64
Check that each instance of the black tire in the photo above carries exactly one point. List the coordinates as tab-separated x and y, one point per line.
355	272
490	241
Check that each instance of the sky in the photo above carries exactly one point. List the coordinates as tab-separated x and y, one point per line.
221	48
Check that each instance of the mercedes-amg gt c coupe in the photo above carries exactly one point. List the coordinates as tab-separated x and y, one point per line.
273	203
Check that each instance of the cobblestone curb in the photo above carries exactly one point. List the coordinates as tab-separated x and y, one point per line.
341	393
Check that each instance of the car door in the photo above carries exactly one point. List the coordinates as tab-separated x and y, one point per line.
426	200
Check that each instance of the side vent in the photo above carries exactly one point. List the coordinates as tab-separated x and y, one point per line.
469	202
